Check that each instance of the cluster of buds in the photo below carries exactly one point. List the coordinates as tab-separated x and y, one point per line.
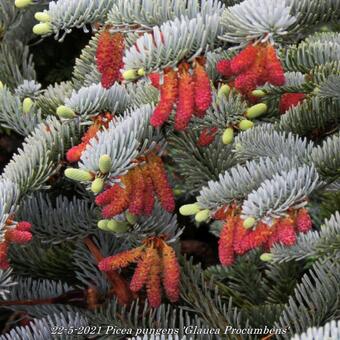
138	190
289	100
201	215
118	225
244	124
15	232
240	236
109	57
105	163
100	121
188	90
252	67
208	135
156	263
44	27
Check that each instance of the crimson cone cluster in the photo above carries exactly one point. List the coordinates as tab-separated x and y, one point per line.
236	240
187	90
138	189
109	57
156	264
253	66
17	233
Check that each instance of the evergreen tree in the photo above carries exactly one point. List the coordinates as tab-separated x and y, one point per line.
179	113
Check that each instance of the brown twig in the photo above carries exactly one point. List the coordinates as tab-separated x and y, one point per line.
120	288
10	321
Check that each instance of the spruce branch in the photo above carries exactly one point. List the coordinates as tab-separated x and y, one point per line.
9	197
257	19
16	64
13	115
85	72
41	154
315	244
331	330
65	15
173	41
198	165
88	101
239	181
313	302
63	220
326	158
313	116
6	282
278	21
54	96
40	329
200	294
266	141
129	136
144	14
275	196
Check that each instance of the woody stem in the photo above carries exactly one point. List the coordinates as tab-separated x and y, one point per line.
120	288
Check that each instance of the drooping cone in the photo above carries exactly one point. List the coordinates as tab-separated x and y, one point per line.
202	90
171	273
120	260
109	57
141	273
226	243
167	99
185	103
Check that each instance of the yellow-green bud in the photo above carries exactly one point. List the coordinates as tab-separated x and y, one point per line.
245	124
1	85
238	147
141	72
42	29
256	110
65	112
117	227
228	136
189	209
42	16
27	105
105	163
132	219
324	28
22	3
97	185
78	174
223	91
316	91
130	75
178	192
202	216
249	222
266	257
258	93
102	224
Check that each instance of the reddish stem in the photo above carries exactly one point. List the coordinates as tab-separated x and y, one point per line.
120	288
